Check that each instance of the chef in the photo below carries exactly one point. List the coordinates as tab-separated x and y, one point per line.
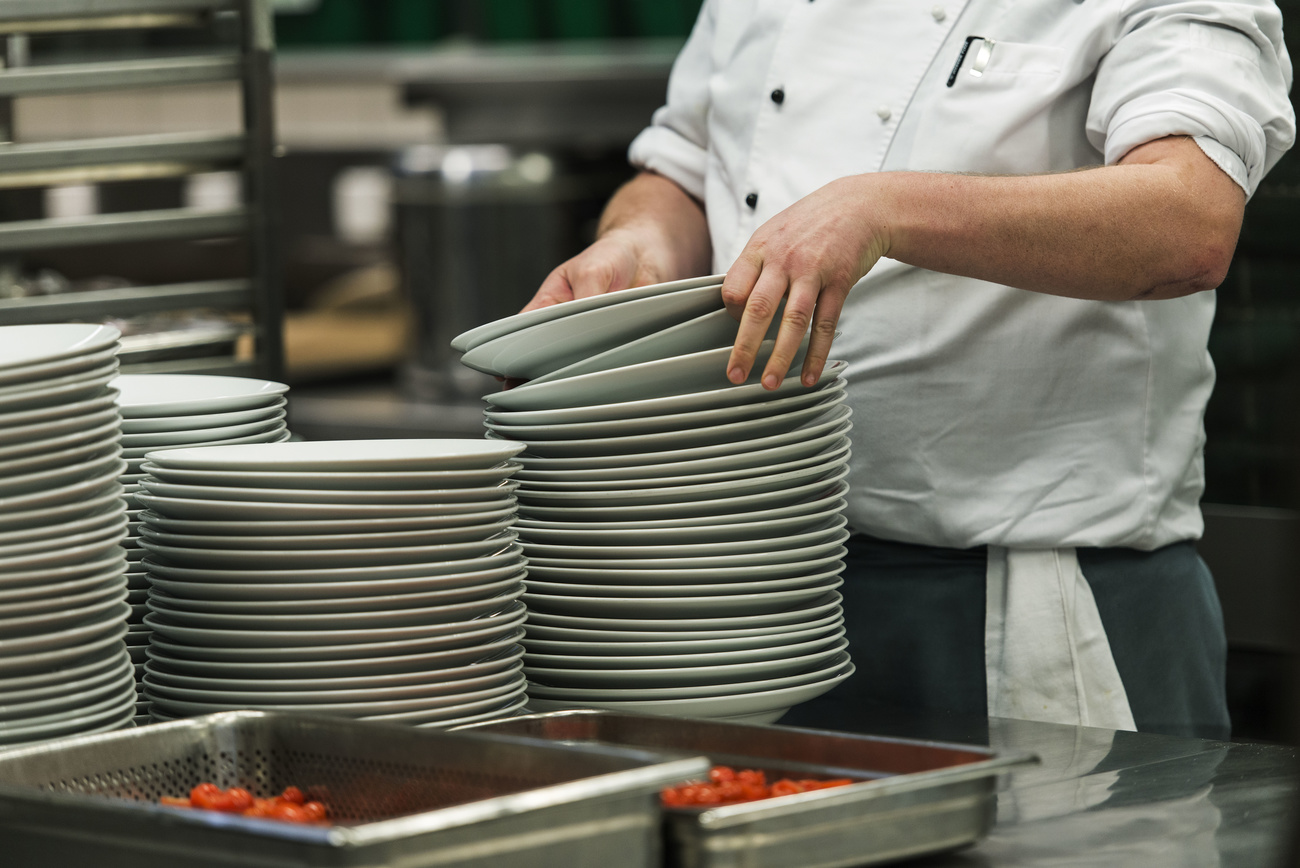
1015	213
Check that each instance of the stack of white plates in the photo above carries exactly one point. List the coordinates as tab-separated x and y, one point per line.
684	535
165	411
63	666
372	579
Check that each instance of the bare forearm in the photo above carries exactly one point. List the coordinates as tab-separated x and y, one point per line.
1133	231
1162	223
651	232
664	221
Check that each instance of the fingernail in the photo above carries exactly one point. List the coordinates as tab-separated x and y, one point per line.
736	375
770	381
809	380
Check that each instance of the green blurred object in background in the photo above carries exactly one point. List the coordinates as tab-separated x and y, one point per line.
416	22
581	19
413	21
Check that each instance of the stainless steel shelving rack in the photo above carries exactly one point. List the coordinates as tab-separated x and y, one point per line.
90	161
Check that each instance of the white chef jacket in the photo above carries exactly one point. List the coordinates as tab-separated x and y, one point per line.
986	414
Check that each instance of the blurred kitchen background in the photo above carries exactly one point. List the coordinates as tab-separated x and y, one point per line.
332	211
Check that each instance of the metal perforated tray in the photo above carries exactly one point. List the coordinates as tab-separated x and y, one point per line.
912	797
398	796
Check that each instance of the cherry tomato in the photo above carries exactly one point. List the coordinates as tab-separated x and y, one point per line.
240	798
290	812
294	795
175	802
315	811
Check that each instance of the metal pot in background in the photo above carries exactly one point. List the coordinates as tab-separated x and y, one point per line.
479	227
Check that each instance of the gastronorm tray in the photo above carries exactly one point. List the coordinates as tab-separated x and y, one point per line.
398	796
911	798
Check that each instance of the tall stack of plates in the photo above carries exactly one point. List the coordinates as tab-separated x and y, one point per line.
684	535
63	666
164	411
372	579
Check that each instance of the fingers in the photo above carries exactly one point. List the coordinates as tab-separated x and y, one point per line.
553	290
826	317
799	311
764	298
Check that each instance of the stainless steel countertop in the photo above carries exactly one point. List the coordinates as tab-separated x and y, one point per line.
1106	798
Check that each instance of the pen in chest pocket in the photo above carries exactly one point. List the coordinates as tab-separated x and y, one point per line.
981	61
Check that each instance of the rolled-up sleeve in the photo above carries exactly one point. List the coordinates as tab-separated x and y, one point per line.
1215	71
675	144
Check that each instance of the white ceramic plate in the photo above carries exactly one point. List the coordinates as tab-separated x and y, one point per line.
16	512
731	605
641	655
805	508
71	697
107	433
275	435
236	510
677	375
490	523
77	637
746	486
685	640
83	644
110	523
469	581
485	478
27	375
794	614
199	436
669	676
309	480
63	410
758	414
151	395
177	595
616	590
691	438
234	645
324	641
726	506
624	552
181	675
717	328
88	665
577	533
445	515
500	553
764	706
709	399
183	687
302	559
242	664
830	458
52	429
663	579
51	561
178	612
87	462
203	421
548	346
333	456
169	699
43	393
797	441
641	693
493	330
34	344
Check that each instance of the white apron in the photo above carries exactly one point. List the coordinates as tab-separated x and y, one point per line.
1046	655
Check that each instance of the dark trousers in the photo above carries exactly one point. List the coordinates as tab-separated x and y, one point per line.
915	622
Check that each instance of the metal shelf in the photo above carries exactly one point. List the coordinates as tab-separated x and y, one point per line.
29	165
230	294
